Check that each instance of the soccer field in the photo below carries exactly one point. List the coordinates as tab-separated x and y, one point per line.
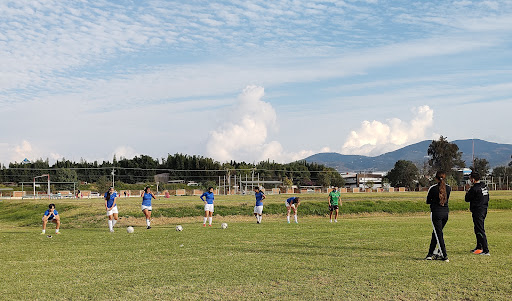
373	257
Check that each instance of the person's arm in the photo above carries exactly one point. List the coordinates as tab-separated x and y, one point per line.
153	195
202	199
106	204
263	196
469	195
115	201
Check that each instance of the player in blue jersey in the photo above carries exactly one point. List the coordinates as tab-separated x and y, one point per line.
147	196
292	203
51	215
207	197
258	208
111	206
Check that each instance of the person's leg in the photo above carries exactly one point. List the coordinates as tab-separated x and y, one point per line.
56	220
110	227
205	218
330	214
45	221
476	228
114	220
295	214
210	217
336	215
481	237
289	208
439	225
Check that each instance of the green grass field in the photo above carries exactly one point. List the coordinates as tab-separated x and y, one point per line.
377	255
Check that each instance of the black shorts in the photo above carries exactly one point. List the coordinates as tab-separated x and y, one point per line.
333	207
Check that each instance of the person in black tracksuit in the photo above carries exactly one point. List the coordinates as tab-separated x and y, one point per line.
478	199
437	197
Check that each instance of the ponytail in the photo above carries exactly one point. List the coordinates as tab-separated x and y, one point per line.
441	176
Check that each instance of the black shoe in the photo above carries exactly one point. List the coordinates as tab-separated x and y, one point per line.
445	259
257	222
485	253
148	227
429	257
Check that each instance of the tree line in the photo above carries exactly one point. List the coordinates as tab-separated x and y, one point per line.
444	156
144	168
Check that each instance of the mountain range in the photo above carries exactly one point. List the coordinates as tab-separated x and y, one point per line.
497	155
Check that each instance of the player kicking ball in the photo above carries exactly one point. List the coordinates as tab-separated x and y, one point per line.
51	215
258	208
292	203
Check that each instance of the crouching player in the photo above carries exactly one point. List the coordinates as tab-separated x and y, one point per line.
51	215
294	203
258	208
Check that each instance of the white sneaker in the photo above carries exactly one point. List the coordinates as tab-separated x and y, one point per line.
335	220
331	220
112	230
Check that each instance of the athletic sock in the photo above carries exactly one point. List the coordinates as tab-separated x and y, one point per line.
295	216
56	230
204	223
148	223
114	221
259	217
44	231
209	220
110	225
288	218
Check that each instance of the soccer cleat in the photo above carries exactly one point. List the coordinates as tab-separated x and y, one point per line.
445	259
57	232
331	220
112	230
257	222
429	257
148	227
335	220
204	225
485	254
209	225
477	251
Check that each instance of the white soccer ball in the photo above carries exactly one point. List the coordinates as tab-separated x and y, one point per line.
129	229
224	226
179	228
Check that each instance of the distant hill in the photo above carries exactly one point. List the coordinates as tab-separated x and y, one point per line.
497	155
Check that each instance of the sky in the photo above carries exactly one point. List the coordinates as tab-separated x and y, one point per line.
249	80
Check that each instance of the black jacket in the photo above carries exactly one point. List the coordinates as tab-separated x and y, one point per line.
478	197
433	198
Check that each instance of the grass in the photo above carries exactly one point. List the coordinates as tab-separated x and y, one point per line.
373	257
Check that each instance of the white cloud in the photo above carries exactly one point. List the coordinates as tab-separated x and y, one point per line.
242	137
376	137
125	152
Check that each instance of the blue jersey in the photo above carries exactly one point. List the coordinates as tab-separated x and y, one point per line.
209	197
110	201
259	198
146	199
292	200
51	215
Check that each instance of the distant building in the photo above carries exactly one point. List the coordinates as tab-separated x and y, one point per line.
363	179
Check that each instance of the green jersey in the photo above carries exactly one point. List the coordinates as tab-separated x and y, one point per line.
335	197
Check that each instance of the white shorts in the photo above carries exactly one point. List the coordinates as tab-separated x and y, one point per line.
258	210
289	204
149	208
114	210
208	207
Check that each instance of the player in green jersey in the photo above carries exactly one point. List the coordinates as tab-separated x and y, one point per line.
334	203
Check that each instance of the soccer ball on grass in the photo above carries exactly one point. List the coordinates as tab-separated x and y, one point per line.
129	229
179	228
223	226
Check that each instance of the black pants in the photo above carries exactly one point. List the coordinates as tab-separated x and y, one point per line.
439	220
478	222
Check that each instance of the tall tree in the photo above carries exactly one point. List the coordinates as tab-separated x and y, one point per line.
404	174
445	156
481	166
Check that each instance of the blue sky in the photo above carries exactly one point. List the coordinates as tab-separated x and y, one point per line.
235	80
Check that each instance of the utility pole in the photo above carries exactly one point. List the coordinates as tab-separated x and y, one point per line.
113	173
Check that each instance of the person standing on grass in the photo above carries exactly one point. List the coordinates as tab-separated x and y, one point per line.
292	203
147	196
478	199
258	208
207	197
437	197
51	215
334	199
111	207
